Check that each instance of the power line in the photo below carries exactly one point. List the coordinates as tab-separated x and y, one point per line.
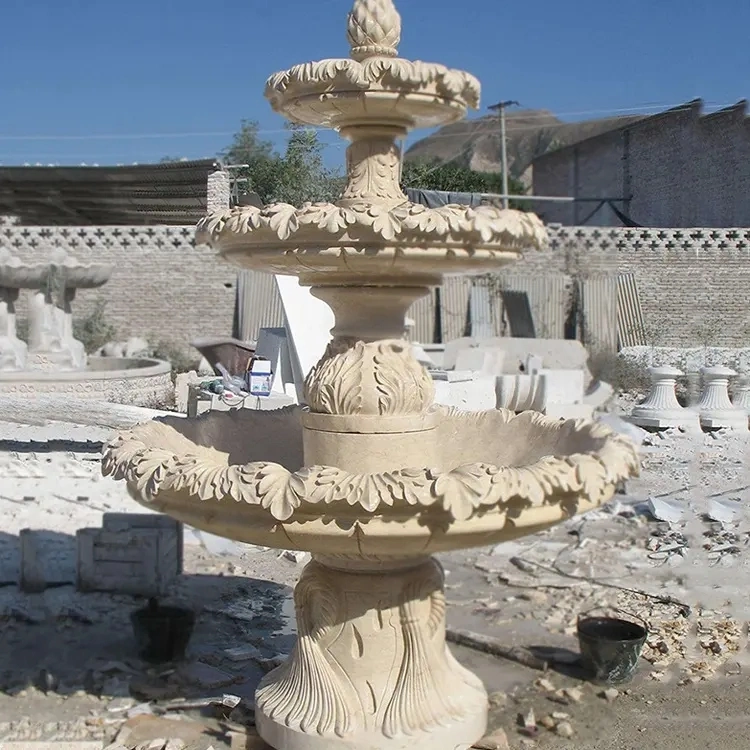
487	126
214	134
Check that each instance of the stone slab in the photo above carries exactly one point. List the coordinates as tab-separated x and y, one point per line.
273	345
137	561
689	421
308	325
556	354
737	424
569	411
206	676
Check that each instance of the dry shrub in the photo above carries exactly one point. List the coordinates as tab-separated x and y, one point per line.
622	374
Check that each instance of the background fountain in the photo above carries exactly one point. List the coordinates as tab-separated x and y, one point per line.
53	361
370	476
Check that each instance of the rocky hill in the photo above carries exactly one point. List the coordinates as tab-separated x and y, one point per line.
531	132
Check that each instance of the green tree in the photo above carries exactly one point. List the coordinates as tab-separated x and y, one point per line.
454	178
263	163
302	175
296	177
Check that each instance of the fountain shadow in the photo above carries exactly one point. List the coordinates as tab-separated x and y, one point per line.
67	643
564	661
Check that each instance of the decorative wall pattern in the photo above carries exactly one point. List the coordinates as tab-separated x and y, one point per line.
693	283
164	287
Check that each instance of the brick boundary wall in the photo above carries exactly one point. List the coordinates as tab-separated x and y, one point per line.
164	287
694	284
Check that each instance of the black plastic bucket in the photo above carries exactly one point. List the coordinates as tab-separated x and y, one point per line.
611	646
161	633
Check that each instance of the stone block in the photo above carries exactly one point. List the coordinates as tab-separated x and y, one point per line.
561	386
556	354
47	558
475	394
569	411
136	554
481	359
171	537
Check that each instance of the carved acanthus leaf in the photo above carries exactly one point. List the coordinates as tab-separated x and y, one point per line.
480	226
380	378
373	171
388	73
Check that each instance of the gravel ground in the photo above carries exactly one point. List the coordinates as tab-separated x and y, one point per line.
68	668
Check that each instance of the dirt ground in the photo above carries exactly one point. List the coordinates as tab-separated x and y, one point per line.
69	669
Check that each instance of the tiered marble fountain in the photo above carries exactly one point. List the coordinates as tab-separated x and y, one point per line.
370	476
54	361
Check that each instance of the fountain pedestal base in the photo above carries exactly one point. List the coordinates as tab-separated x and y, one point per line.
371	668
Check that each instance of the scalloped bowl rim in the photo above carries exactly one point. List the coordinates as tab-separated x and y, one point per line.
463	491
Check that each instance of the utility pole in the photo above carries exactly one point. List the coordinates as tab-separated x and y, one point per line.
500	108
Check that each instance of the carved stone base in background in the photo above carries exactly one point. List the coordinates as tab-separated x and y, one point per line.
371	668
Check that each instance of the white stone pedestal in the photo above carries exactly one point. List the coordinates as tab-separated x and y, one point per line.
741	396
371	667
661	409
715	408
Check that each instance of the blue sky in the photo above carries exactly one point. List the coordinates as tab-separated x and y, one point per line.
97	81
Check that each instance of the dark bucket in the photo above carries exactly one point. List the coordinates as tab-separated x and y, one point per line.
161	633
610	647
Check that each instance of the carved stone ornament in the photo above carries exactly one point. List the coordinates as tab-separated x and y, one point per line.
322	690
373	98
525	462
376	379
484	227
371	477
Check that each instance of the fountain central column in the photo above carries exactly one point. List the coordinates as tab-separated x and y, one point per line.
371	667
373	165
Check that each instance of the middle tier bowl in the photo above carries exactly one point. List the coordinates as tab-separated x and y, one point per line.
360	242
497	476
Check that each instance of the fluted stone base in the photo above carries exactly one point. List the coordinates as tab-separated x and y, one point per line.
371	668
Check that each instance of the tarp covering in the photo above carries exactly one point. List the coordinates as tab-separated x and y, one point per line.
437	198
171	193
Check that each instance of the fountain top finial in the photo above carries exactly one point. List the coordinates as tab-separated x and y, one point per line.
373	29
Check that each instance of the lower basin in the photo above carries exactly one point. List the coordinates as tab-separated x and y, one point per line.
498	476
134	381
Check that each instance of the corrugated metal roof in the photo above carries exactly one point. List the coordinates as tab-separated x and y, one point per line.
143	194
